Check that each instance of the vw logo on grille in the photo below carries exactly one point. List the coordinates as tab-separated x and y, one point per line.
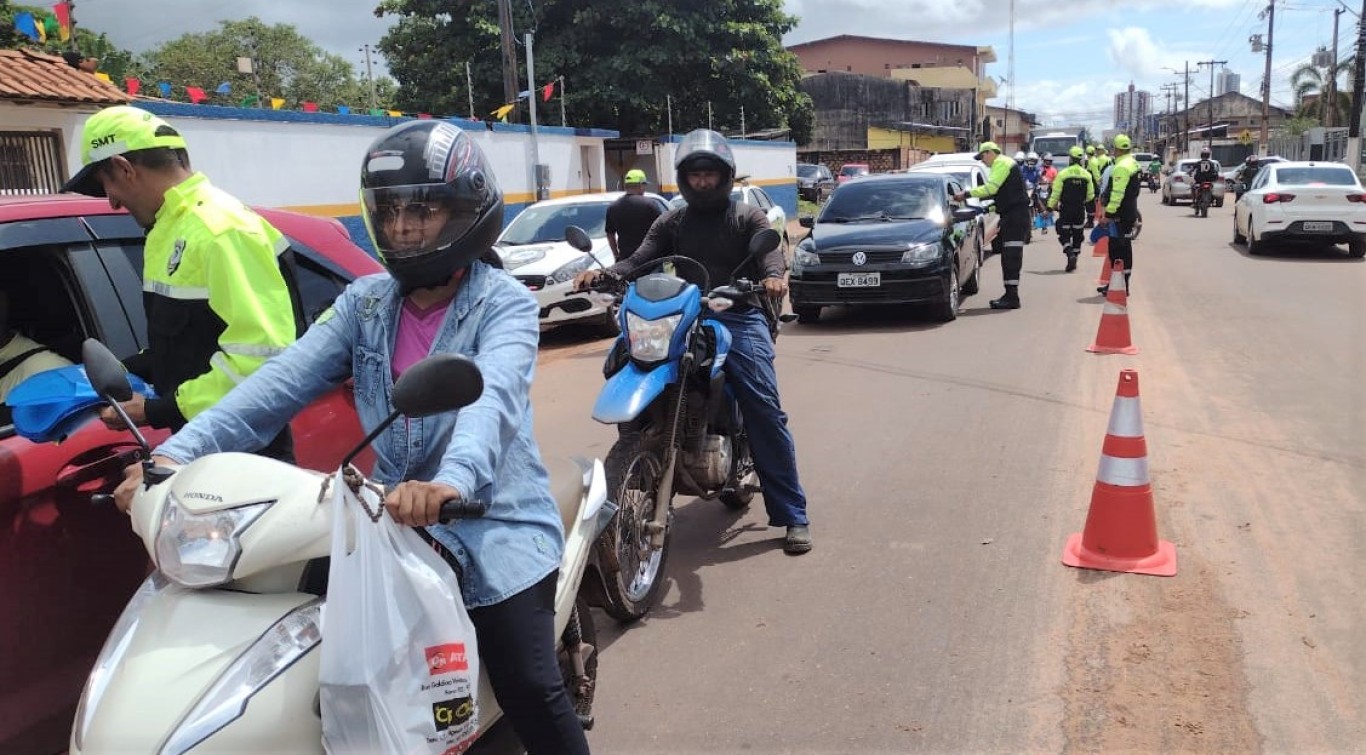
860	258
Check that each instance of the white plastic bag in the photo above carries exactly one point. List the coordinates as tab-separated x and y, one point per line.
399	663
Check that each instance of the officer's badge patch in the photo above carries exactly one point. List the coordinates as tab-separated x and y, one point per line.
176	254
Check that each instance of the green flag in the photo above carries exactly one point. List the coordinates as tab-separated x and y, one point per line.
376	111
251	101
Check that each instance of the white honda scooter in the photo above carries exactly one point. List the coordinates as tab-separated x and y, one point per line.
218	650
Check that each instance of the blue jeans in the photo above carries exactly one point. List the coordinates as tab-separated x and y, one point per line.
750	374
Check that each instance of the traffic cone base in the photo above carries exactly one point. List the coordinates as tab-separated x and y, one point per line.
1121	526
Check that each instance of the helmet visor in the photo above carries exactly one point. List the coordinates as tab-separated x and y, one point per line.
412	221
704	142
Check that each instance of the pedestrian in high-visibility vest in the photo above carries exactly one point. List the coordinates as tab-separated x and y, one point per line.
214	272
1073	192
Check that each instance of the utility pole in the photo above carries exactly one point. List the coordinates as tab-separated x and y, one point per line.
509	54
542	191
71	22
1209	129
369	75
469	88
669	103
1186	130
1170	91
563	120
742	121
1270	14
1358	72
1333	74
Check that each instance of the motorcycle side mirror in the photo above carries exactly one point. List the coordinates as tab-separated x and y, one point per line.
438	383
578	238
764	242
110	380
807	221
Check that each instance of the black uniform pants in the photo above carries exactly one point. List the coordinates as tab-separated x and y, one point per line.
1071	228
1014	231
1122	247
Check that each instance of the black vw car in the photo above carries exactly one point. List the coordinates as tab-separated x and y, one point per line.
895	238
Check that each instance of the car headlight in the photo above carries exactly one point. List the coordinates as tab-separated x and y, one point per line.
567	272
200	550
805	256
111	655
921	253
288	640
649	339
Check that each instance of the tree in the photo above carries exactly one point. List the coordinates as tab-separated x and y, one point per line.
114	60
1311	82
287	65
10	38
621	61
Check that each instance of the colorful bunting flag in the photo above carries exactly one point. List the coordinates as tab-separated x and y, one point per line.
51	28
395	113
424	116
224	88
376	111
502	112
165	87
310	107
196	94
250	101
343	110
102	76
276	103
62	11
25	24
133	86
547	91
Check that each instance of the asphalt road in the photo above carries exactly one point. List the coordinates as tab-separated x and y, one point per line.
947	464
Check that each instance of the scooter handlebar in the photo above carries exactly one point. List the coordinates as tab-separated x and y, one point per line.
459	508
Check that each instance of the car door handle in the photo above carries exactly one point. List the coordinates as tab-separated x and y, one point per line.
93	469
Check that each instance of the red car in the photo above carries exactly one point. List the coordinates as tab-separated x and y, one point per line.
72	267
850	171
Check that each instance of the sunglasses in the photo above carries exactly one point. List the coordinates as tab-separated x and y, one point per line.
413	212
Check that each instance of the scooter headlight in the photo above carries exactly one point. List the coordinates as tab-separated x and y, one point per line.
200	550
649	339
273	652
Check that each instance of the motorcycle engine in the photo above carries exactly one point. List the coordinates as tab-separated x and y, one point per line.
709	462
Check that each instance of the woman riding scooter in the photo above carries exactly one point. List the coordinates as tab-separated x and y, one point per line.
433	209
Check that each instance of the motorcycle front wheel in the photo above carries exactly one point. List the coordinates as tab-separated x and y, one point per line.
634	569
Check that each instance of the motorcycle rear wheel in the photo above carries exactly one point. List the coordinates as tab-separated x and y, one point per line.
634	473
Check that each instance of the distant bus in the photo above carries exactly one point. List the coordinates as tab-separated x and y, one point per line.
1058	141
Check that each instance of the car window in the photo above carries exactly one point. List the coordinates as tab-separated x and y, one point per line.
807	171
1259	180
854	170
910	198
737	196
539	224
763	199
1315	176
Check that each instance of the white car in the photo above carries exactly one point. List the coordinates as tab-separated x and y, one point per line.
1308	202
970	173
533	249
743	192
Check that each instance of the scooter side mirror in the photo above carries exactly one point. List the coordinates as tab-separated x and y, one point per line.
764	242
105	371
578	238
439	383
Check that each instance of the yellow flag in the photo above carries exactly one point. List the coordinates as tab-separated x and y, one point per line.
102	76
276	103
502	112
396	113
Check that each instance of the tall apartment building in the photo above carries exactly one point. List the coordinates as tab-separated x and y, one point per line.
1227	81
1132	108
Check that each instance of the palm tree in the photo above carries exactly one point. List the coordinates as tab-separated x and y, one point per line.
1313	82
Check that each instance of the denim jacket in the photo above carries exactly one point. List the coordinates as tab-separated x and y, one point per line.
485	450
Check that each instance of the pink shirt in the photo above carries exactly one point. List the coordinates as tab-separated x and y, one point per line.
417	330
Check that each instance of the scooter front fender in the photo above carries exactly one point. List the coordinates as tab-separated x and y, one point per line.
626	394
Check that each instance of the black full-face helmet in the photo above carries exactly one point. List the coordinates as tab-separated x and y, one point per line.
705	149
1204	153
430	202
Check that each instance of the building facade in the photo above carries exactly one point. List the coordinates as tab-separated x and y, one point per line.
1227	81
855	112
1008	128
1132	108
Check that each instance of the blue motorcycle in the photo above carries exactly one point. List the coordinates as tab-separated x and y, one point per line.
679	426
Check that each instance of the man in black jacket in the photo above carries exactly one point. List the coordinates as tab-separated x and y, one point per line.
714	230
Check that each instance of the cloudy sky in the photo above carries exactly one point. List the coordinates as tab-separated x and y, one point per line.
1071	56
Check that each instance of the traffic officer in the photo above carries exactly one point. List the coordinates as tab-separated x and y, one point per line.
1121	206
1007	186
1073	191
1088	163
214	272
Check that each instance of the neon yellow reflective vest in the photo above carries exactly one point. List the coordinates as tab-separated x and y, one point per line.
216	300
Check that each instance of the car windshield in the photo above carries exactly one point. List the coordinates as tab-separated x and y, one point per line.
1058	145
807	171
1315	176
539	224
853	170
885	200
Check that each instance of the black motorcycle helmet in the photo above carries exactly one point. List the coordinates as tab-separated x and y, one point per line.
430	202
1204	153
705	149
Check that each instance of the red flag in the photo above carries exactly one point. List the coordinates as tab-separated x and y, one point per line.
424	116
196	94
547	91
133	86
310	107
63	13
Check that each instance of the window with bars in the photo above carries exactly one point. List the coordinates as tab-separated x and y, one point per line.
31	162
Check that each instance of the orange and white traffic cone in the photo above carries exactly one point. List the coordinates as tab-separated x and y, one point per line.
1104	278
1121	525
1113	337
